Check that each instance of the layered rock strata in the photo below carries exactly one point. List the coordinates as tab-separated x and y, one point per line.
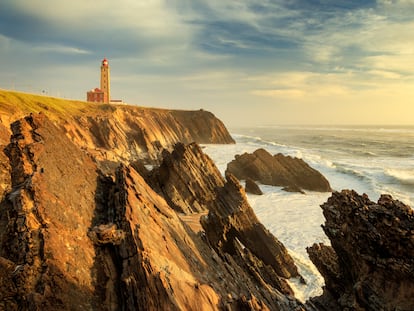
370	265
187	178
45	219
278	170
231	225
127	133
73	238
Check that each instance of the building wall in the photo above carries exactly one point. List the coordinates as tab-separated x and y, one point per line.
96	97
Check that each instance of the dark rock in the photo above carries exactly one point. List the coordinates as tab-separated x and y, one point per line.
106	234
370	265
278	170
293	189
252	187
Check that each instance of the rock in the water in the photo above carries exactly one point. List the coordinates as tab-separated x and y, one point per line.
370	265
252	187
293	189
278	170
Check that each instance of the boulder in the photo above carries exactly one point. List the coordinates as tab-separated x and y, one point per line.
370	265
252	187
278	170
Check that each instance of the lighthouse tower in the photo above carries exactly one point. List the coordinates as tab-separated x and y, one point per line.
105	81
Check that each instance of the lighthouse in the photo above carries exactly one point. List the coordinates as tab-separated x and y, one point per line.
105	86
102	94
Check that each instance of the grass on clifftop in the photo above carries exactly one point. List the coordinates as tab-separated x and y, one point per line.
15	103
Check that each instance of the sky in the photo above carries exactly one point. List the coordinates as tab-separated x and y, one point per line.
250	62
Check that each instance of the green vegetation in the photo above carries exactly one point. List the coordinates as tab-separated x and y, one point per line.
18	105
15	103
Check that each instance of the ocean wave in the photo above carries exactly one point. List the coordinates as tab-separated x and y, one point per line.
403	176
240	138
367	129
314	280
349	171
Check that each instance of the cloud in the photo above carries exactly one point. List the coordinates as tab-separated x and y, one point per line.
235	52
124	28
59	49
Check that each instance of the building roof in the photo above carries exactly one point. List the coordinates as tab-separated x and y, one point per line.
96	90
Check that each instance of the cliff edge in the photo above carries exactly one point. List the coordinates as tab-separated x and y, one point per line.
116	133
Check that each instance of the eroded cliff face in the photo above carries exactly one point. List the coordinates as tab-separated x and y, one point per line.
45	219
110	133
73	238
370	265
127	133
187	178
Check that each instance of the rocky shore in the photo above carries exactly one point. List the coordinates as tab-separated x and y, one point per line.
80	234
86	224
370	265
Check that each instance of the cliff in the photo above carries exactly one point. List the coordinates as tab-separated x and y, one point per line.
370	265
115	133
79	234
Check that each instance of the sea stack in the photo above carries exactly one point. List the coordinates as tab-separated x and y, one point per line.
278	170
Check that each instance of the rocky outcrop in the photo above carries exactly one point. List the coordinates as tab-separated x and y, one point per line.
128	133
75	239
278	170
370	265
45	219
252	187
231	224
190	182
187	178
163	265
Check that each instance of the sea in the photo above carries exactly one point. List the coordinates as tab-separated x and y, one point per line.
368	159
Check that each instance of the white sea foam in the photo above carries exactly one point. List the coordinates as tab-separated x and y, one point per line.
405	176
295	219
